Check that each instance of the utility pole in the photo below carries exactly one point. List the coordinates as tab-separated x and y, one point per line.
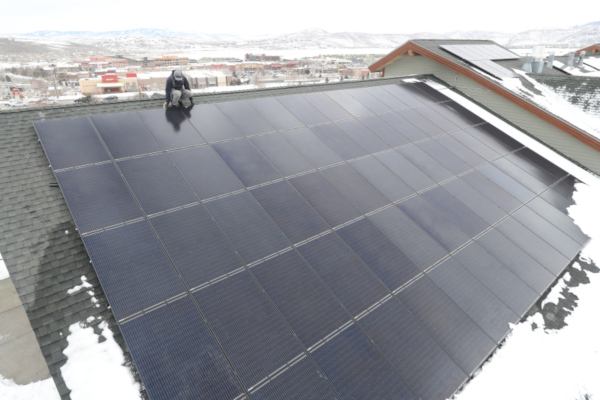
55	89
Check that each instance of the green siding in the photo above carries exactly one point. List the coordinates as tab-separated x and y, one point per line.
539	129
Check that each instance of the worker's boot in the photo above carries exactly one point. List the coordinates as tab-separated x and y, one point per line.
191	101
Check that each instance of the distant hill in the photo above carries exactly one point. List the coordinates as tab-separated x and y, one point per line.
160	40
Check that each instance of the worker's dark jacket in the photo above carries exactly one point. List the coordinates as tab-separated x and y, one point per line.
177	85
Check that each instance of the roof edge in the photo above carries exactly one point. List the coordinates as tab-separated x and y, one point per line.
544	115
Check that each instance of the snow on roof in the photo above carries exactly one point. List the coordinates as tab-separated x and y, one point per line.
92	363
537	362
552	102
592	61
543	363
580	71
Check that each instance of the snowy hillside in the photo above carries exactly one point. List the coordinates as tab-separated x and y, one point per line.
161	40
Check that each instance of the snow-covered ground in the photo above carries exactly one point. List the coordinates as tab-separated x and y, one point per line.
41	390
3	270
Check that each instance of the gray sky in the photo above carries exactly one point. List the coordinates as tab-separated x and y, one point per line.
268	16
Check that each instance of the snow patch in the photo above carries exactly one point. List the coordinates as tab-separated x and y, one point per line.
554	103
40	390
94	369
553	364
3	270
84	284
532	144
555	294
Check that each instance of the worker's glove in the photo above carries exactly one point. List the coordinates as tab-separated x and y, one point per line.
165	105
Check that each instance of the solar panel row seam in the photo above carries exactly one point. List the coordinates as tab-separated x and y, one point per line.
365	213
179	275
247	269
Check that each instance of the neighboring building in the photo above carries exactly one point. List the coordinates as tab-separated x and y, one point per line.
262	57
593	49
108	84
517	96
171	61
249	67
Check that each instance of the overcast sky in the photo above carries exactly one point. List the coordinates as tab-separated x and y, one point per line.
284	16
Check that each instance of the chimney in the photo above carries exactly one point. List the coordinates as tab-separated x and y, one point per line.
538	59
570	60
580	62
550	62
527	66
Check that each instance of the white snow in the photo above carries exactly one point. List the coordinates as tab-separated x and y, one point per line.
97	370
541	149
3	270
555	293
84	284
40	390
553	102
592	61
553	364
549	364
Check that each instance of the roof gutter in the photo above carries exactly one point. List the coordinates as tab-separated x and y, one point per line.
502	92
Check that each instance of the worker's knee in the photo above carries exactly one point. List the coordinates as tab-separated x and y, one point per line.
175	96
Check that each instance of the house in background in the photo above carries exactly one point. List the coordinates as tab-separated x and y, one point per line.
498	82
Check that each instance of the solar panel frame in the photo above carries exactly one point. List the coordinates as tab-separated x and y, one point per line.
125	135
200	370
148	278
472	52
282	258
195	245
401	338
467	343
350	280
97	197
256	345
356	369
248	227
212	124
304	301
62	142
171	128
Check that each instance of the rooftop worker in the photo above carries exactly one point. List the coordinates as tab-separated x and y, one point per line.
178	89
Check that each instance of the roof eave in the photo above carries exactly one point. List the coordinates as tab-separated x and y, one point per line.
493	87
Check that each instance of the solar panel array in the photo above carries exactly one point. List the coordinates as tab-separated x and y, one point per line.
364	243
482	56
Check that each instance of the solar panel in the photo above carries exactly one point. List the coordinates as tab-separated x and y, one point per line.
482	56
480	52
347	243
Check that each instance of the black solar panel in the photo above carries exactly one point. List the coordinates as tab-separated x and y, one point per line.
482	56
175	334
70	143
306	247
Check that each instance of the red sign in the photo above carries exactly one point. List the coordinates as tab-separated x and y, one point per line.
110	78
131	75
16	93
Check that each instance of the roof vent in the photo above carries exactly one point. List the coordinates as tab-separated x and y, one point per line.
580	62
527	66
538	59
550	61
570	60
